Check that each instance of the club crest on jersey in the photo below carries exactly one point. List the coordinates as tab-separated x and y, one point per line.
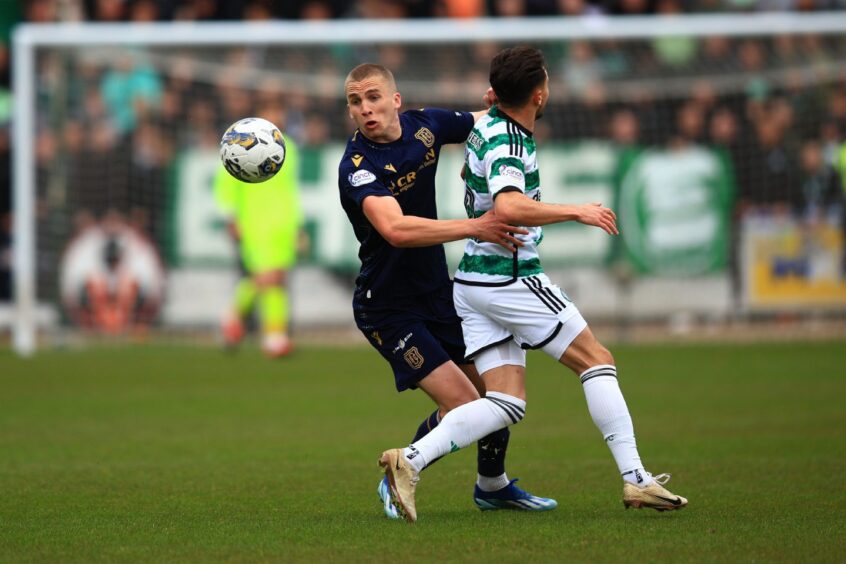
413	357
356	159
425	136
505	170
361	177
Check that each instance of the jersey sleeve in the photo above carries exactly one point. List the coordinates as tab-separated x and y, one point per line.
452	126
356	183
503	170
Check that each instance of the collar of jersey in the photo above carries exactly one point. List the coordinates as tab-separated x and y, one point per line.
497	112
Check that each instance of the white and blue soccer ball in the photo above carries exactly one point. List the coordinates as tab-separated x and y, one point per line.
252	149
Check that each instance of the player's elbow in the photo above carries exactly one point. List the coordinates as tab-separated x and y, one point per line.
509	213
509	207
397	237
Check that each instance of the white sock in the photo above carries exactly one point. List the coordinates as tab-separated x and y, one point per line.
465	425
638	477
488	484
610	413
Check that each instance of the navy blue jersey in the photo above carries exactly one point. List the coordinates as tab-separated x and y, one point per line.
403	169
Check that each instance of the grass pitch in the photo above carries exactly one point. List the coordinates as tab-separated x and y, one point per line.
182	454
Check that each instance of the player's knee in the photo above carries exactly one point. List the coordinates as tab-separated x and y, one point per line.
269	278
586	353
462	396
473	375
603	356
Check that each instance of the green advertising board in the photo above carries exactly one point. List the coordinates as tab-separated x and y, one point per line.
673	208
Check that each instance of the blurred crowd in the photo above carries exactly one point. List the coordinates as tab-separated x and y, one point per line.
168	10
113	122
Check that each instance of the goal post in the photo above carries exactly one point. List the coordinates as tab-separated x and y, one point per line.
203	45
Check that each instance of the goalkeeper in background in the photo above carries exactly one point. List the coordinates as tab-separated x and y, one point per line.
265	220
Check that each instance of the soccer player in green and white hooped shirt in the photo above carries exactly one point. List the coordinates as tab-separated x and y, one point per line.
508	305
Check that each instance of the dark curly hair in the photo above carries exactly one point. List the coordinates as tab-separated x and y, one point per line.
516	73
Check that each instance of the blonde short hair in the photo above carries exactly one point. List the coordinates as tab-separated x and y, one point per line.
367	70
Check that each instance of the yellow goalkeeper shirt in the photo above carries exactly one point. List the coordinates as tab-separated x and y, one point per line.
268	214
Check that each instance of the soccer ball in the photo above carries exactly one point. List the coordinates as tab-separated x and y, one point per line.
252	149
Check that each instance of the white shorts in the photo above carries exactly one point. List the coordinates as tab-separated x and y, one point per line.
532	311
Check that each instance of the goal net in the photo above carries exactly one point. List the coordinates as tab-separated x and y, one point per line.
716	138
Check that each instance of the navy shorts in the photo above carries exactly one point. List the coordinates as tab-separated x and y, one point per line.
415	334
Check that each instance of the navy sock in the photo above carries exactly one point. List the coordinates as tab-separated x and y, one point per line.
428	424
491	453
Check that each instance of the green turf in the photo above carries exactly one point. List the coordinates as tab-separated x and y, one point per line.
180	454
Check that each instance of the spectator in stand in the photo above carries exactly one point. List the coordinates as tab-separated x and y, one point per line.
462	9
654	117
830	137
576	8
205	10
581	69
716	55
836	107
768	173
131	89
628	7
316	136
151	150
257	10
316	10
99	171
41	11
236	101
507	8
820	196
145	11
378	9
624	128
111	277
673	52
752	61
690	124
107	10
723	132
723	136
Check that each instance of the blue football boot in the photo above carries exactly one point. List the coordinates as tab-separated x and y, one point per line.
384	492
511	497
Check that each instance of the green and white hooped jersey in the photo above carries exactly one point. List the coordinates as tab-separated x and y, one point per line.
500	155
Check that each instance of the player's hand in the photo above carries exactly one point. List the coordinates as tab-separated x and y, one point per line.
597	215
492	229
489	99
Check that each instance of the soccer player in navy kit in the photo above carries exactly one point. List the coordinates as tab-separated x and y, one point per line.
403	296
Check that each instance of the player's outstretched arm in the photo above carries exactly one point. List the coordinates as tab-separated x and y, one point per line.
401	230
515	207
